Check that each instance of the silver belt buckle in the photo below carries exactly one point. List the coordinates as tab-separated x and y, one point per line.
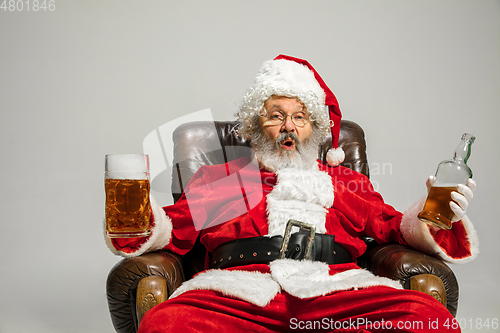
288	233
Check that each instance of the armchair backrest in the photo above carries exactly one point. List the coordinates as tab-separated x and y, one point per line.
208	143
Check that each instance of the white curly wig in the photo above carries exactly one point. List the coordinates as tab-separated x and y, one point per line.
283	78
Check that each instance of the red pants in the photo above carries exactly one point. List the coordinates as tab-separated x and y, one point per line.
375	309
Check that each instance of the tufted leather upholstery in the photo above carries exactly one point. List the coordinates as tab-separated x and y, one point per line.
202	143
209	143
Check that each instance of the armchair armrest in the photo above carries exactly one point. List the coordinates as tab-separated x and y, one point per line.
135	285
415	271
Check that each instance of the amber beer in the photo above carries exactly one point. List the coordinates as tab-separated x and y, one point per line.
128	208
449	174
437	211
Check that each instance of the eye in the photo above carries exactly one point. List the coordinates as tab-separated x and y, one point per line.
276	115
299	116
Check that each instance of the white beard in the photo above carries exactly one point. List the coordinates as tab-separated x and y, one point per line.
272	157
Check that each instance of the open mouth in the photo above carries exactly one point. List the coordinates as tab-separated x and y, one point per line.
288	144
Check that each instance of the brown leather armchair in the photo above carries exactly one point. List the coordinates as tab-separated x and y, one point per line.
137	284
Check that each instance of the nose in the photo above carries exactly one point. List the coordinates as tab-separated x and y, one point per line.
288	125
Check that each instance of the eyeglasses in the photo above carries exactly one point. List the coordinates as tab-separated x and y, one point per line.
299	119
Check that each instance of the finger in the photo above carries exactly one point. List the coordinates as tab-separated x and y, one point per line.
466	191
430	181
471	184
460	200
459	213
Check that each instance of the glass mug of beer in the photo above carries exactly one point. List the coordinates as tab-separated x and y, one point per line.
128	209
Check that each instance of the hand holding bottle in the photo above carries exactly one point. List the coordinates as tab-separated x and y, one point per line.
460	200
451	190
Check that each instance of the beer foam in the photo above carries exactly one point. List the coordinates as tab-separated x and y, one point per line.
127	166
127	175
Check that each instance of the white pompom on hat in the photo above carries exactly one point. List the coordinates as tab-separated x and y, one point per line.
289	74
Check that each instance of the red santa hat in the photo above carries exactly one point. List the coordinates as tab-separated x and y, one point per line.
293	77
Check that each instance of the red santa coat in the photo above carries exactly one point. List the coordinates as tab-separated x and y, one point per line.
237	200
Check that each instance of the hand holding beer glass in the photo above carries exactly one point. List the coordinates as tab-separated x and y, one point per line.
128	209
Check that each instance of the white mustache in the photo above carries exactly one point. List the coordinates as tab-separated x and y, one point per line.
285	136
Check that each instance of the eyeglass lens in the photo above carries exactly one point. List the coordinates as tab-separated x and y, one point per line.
298	118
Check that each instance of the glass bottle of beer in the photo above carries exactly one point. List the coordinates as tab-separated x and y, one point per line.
449	174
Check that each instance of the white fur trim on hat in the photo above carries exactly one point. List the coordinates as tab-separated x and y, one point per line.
285	75
335	156
284	78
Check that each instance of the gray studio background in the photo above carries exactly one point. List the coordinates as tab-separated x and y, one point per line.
95	77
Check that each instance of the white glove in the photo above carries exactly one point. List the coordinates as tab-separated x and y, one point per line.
461	198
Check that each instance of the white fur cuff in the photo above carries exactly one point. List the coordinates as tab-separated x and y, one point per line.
417	234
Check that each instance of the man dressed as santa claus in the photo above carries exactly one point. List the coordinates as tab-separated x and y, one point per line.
269	273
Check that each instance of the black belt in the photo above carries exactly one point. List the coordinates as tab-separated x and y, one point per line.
262	250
